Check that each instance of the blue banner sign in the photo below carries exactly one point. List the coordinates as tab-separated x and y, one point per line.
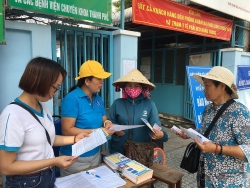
243	77
196	92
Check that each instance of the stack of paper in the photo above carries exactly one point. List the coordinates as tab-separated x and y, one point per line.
100	177
131	169
136	172
195	135
115	160
86	144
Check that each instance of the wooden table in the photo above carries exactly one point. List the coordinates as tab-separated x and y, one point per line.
167	175
130	184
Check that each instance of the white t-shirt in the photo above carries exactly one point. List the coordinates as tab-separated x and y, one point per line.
20	132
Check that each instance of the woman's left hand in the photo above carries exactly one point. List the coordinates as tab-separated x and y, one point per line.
80	136
206	147
157	135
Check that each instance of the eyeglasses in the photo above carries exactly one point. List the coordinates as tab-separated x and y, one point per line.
56	88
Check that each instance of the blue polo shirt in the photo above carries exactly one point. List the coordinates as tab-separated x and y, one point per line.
88	115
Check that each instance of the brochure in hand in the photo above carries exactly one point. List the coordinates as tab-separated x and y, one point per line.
147	123
191	133
195	135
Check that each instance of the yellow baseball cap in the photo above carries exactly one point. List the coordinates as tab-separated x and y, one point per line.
92	68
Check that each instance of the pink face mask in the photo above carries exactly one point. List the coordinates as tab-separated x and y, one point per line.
133	92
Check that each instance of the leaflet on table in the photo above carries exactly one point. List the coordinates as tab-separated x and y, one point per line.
100	177
86	144
123	127
194	135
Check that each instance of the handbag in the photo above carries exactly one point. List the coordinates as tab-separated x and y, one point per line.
32	113
142	152
190	160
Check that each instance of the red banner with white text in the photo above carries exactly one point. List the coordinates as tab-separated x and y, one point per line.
178	17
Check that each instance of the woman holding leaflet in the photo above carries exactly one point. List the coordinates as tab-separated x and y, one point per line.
224	162
26	154
136	104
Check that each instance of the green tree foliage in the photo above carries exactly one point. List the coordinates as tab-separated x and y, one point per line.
117	4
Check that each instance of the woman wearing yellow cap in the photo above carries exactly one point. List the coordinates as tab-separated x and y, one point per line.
82	111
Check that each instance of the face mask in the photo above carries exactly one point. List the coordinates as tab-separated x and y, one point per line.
133	92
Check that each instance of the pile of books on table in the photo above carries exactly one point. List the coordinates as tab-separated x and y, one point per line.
131	169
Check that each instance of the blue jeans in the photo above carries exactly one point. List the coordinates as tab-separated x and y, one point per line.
43	179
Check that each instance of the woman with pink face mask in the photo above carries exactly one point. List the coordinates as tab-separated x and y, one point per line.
134	105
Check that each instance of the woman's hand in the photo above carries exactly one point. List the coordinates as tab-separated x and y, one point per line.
65	161
157	135
182	135
80	136
109	132
207	147
119	133
108	124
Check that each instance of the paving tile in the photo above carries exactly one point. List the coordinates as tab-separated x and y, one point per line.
174	149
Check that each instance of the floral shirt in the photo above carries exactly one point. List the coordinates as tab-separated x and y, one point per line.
231	129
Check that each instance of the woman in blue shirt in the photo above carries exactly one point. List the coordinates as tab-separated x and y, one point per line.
83	110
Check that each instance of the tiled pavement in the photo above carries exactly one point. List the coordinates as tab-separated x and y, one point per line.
174	149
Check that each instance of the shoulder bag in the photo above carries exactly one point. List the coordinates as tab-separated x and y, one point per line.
190	160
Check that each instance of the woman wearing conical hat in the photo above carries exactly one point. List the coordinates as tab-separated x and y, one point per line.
134	105
224	162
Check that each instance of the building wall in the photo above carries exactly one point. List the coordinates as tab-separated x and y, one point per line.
125	49
23	42
169	98
231	58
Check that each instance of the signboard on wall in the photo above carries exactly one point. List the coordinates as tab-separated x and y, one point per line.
200	59
178	17
237	8
128	65
94	10
196	92
2	40
243	77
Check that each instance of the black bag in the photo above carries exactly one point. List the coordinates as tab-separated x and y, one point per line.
190	160
141	152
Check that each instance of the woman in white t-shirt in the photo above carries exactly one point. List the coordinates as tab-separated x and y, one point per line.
26	154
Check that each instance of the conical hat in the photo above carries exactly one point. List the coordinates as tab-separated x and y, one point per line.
134	76
222	75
